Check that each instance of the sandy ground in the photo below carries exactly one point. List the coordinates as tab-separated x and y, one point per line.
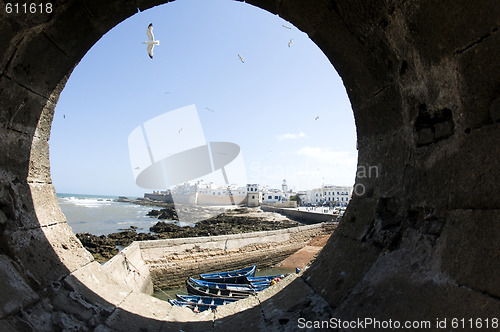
302	257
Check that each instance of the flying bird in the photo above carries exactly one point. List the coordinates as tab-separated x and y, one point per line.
285	26
180	130
290	42
209	109
241	58
64	116
316	118
151	42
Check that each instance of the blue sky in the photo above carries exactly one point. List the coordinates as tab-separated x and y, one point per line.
269	105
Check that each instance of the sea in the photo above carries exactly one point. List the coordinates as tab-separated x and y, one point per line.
102	215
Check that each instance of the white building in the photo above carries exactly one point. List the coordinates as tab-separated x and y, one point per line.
254	195
272	196
208	193
335	195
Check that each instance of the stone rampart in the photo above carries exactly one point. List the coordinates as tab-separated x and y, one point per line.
172	260
308	217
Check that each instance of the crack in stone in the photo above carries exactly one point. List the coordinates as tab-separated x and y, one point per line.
476	42
55	44
27	88
497	298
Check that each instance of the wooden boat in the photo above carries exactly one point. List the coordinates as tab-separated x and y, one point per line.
265	278
205	288
230	277
196	299
196	307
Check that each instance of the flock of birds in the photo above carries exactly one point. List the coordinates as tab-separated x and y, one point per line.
151	42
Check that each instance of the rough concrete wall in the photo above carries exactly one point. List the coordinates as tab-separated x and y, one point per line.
421	242
172	261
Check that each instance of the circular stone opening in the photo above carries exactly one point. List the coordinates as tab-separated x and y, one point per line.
95	283
76	119
404	244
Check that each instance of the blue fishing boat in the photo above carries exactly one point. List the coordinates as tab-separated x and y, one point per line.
231	277
196	307
205	288
265	278
196	299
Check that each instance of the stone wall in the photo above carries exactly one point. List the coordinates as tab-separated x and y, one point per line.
171	261
307	217
129	267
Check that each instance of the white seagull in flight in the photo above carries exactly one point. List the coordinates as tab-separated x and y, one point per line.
151	40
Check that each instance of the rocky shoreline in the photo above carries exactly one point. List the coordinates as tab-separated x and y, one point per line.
234	221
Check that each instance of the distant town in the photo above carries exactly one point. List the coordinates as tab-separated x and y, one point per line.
208	193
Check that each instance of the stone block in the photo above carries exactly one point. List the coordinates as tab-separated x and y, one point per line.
470	250
16	293
47	209
405	297
333	280
15	152
434	31
33	66
21	108
105	15
79	22
5	325
479	91
97	287
284	303
47	254
37	317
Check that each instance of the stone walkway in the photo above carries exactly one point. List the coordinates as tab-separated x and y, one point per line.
302	257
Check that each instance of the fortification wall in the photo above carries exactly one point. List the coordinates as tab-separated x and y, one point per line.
172	260
308	217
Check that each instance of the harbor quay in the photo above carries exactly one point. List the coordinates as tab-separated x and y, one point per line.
145	265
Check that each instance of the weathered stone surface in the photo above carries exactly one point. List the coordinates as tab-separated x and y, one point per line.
470	250
32	64
139	311
18	105
97	287
45	203
15	291
47	254
7	326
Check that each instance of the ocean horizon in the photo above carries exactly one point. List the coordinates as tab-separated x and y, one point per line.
102	214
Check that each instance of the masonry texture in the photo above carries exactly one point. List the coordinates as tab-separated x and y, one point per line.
171	261
420	243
